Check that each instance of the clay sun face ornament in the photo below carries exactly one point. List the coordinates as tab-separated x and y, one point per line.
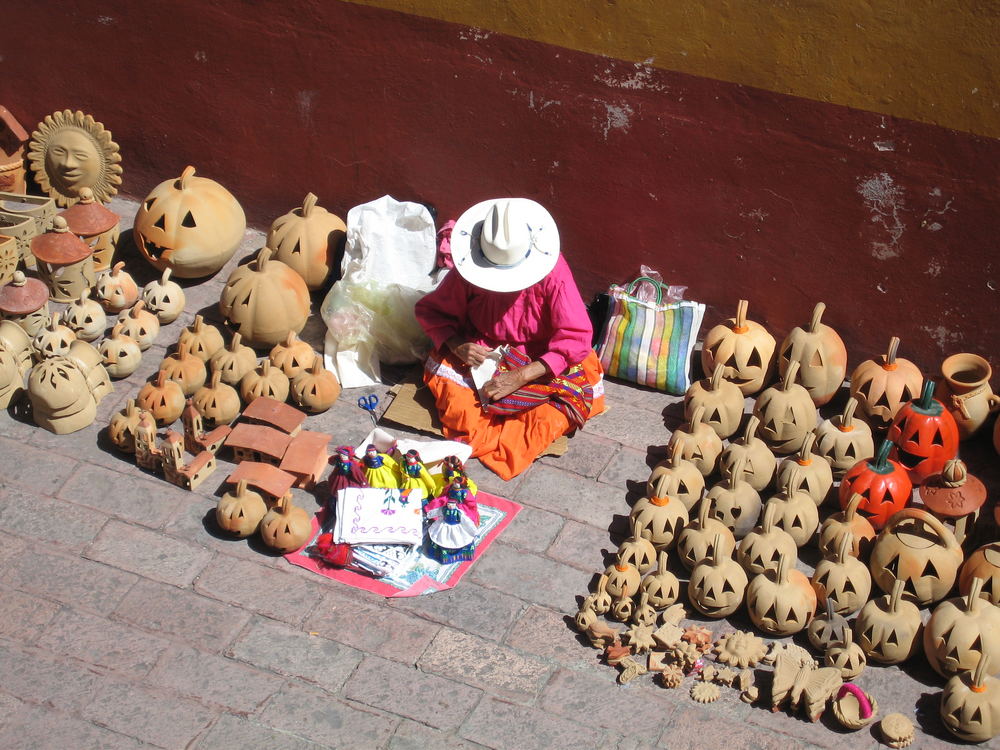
70	151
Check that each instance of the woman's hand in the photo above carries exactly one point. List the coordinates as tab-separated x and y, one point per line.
471	354
505	383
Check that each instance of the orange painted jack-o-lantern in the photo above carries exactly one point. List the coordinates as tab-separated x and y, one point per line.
883	484
883	387
821	354
924	435
744	348
192	225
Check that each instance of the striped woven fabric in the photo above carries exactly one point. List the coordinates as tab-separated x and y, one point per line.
570	393
650	343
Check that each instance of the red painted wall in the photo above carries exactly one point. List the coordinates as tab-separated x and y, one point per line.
731	190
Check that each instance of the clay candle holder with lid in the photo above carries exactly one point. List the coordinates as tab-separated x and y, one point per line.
25	301
65	262
955	496
96	225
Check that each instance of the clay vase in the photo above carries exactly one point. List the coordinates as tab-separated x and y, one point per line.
735	502
121	428
120	354
61	401
315	389
882	387
970	704
889	629
786	413
637	551
744	347
162	398
821	355
699	443
660	519
815	471
764	546
116	290
217	402
621	576
847	521
842	579
962	630
85	317
795	510
967	393
285	527
723	402
843	440
919	550
687	482
292	356
759	463
265	300
234	361
306	239
203	340
846	655
984	563
781	603
696	541
53	340
140	325
825	629
164	298
661	586
600	600
717	584
264	380
240	513
185	369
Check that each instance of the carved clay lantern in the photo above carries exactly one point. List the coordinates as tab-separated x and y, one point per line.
961	631
847	521
786	413
734	501
924	436
661	586
781	603
882	387
234	361
683	479
116	290
660	519
759	462
883	484
821	355
25	301
13	140
96	225
164	298
61	398
10	255
955	496
86	317
888	628
306	239
697	540
795	510
842	579
744	348
723	402
760	550
717	583
970	704
983	563
698	441
265	300
817	476
65	262
843	440
11	378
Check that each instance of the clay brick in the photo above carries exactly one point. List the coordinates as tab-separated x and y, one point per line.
265	590
102	642
51	522
532	529
568	495
530	577
406	691
496	723
75	581
23	616
41	728
43	677
184	614
144	501
550	636
148	553
235	732
32	468
468	607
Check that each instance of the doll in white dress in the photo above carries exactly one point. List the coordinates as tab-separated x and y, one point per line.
455	516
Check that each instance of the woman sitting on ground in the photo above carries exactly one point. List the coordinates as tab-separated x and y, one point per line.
510	287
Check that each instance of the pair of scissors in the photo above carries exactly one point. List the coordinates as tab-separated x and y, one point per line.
369	404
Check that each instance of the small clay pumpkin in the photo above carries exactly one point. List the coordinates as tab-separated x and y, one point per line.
306	239
723	402
697	540
817	476
660	519
162	398
888	629
185	369
285	527
698	441
645	613
637	550
121	428
85	317
234	361
846	655
203	340
735	502
984	563
825	628
140	325
688	483
315	389
970	704
265	300
264	380
600	600
61	401
795	511
717	583
843	440
961	631
884	484
623	605
53	340
240	512
661	586
882	387
621	576
764	546
292	356
585	617
821	355
744	347
760	463
786	413
847	521
781	603
842	579
120	354
217	402
116	290
164	298
924	435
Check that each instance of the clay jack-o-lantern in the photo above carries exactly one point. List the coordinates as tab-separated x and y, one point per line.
660	518
240	512
265	300
786	413
847	521
764	546
53	340
961	631
817	476
661	585
116	290
140	325
984	563
825	628
306	239
734	501
744	348
264	380
637	550
717	584
782	602
285	527
723	402
293	355
164	298
925	436
687	482
697	540
842	579
121	428
315	389
120	354
821	355
846	655
623	606
888	628
600	600
621	575
698	441
883	484
843	440
883	387
759	463
796	512
203	340
217	402
234	361
162	398
185	369
970	704
85	317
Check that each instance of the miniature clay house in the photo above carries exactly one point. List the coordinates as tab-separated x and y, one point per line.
267	478
13	139
254	442
96	225
196	439
306	458
271	413
65	262
25	301
186	474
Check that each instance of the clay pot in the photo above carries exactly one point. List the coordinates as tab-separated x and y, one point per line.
825	628
843	440
203	340
240	513
660	519
816	474
185	369
162	398
882	387
723	402
697	540
883	484
919	550
98	226
846	655
717	583
984	563
140	325
217	402
120	354
763	547
842	579
786	413
699	443
61	401
53	340
821	355
622	576
744	347
637	551
315	389
781	603
889	629
265	300
760	463
847	521
970	704
192	225
795	510
966	392
924	436
85	317
65	262
121	428
679	477
306	239
14	339
116	290
661	586
264	380
25	301
292	356
960	631
735	502
89	360
285	527
164	298
234	361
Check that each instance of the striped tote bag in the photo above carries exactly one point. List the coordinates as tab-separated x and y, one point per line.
650	343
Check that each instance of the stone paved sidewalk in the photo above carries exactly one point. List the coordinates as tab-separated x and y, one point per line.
127	622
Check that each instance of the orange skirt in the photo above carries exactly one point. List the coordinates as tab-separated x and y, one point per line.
506	444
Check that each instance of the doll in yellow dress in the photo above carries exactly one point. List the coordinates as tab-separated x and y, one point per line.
451	468
415	476
380	470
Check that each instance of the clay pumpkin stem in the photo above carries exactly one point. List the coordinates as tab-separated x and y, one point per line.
816	316
635	530
665	485
216	379
241	488
979	674
741	317
890	354
896	596
972	600
794	481
846	637
197	324
317	366
737	471
263	257
703	508
881	464
845	546
117	268
767	523
676	454
829	610
781	577
927	395
166	276
661	562
234	345
696	417
752	424
847	416
852	506
84	296
602	583
805	452
290	339
716	379
790	375
130	408
308	204
186	175
716	556
161	379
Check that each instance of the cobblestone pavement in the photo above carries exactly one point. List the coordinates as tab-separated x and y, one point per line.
128	622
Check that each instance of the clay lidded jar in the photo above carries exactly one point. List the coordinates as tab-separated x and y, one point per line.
955	496
116	290
744	347
786	413
234	361
843	440
759	463
686	483
95	224
723	402
816	474
164	298
967	393
65	262
25	301
821	355
86	317
698	441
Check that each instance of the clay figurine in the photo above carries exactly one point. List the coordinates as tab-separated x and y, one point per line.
455	523
70	151
803	687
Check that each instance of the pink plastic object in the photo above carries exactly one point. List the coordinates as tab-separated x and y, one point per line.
864	707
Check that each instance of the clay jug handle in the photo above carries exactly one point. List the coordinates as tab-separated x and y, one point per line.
947	538
993	402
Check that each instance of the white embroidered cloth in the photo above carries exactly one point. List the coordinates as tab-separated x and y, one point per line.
378	516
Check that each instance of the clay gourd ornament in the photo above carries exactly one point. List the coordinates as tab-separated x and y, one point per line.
265	300
955	496
293	355
782	602
121	427
162	398
600	600
621	576
735	502
961	631
164	298
842	579
315	389
821	355
185	369
889	628
660	518
786	413
697	540
970	704
916	548
637	551
140	325
815	471
53	340
795	510
115	289
698	441
264	380
843	440
825	628
764	546
61	401
723	402
744	347
120	354
661	586
85	317
285	527
759	463
217	402
882	387
847	521
306	239
883	484
191	225
234	361
203	340
239	513
924	436
984	563
717	584
89	361
687	483
846	655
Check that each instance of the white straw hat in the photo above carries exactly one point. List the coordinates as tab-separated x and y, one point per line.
505	244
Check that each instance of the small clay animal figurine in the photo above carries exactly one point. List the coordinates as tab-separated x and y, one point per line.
802	686
601	635
381	469
455	523
746	350
970	704
883	386
821	355
961	631
843	440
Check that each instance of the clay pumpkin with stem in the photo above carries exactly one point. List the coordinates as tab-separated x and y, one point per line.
306	239
795	510
203	339
164	298
842	579
924	436
970	704
696	541
745	349
759	462
637	550
140	325
883	386
285	527
815	471
825	628
821	355
734	501
121	428
621	575
293	355
234	361
961	631
264	380
217	402
845	655
115	289
687	483
660	518
782	602
699	442
723	402
86	317
884	485
889	628
185	369
786	413
848	521
761	549
315	389
984	563
120	354
843	440
240	512
717	583
162	398
661	585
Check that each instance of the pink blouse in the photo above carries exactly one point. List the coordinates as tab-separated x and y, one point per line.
547	320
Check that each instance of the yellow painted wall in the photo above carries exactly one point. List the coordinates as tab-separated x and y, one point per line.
936	61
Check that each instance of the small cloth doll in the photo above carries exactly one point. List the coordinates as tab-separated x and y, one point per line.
450	468
415	475
455	516
380	470
347	472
